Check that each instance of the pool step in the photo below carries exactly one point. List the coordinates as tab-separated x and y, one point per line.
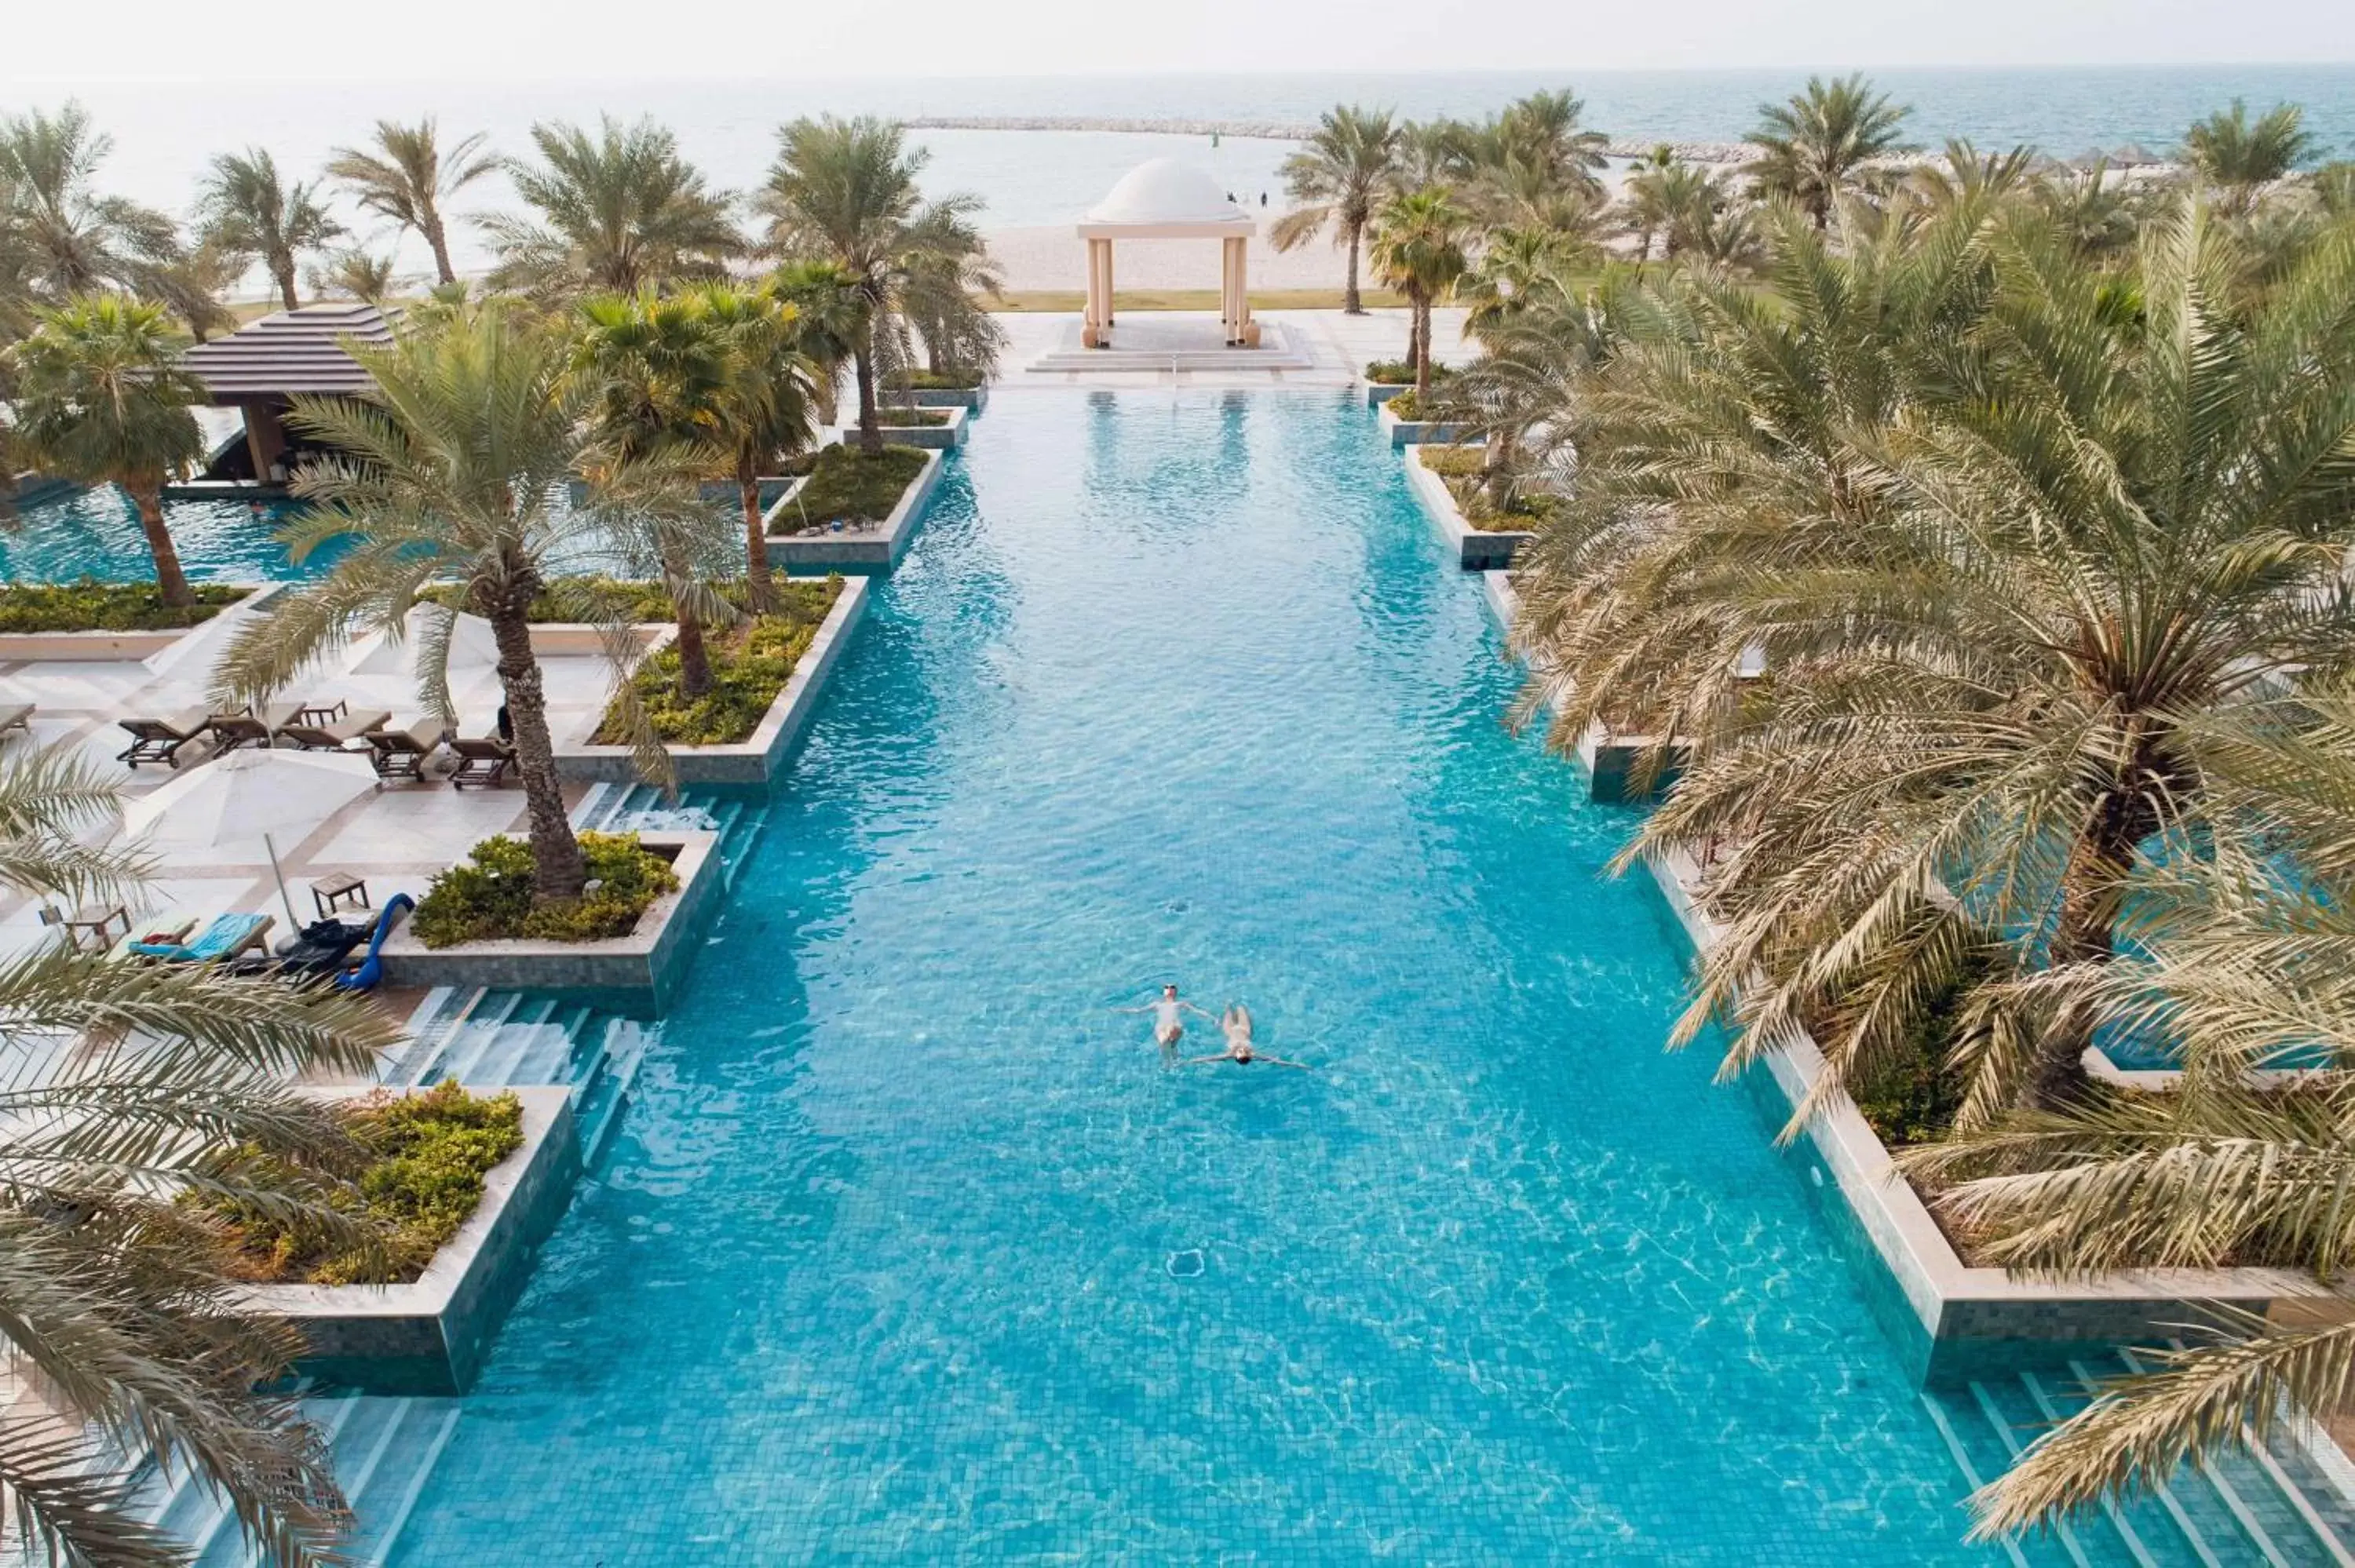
498	1039
2285	1506
640	808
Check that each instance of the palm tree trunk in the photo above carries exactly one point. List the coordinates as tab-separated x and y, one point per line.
870	427
559	869
695	678
1413	341
1499	474
439	242
1351	303
762	589
2092	889
148	497
285	275
1422	319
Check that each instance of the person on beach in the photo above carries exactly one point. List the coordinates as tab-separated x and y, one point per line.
1168	1028
1237	1024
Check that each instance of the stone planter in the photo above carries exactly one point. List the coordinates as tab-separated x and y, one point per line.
756	760
930	438
429	1337
1380	392
869	547
975	398
1952	1320
637	974
1409	432
1475	549
120	647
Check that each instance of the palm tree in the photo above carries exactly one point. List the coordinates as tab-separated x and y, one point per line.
1419	250
619	213
69	236
948	270
100	399
193	285
1539	133
1345	167
406	178
356	275
454	470
1998	539
119	1298
828	312
246	210
763	406
1817	144
1646	206
2237	160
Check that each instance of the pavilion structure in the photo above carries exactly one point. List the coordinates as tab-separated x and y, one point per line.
1165	199
259	368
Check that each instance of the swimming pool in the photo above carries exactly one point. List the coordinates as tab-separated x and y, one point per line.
95	533
912	1250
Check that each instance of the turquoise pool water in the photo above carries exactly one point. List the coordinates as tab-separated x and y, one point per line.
913	1250
95	533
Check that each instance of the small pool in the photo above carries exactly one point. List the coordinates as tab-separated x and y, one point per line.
95	533
913	1250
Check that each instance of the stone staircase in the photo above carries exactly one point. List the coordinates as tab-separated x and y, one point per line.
2283	1505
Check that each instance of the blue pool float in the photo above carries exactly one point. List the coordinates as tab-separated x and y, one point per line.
371	970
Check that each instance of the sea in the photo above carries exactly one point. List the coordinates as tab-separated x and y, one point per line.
164	133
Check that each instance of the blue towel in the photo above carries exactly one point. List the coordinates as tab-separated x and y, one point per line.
226	932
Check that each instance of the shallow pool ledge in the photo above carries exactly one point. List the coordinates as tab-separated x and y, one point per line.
1955	1321
429	1337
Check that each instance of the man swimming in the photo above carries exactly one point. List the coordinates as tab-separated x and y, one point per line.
1237	1023
1168	1027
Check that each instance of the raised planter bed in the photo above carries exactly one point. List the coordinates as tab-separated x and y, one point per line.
975	398
637	974
755	760
945	436
1475	549
1409	432
429	1337
1952	1320
1380	392
121	647
871	546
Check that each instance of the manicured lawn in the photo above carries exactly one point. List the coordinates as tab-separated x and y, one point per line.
749	665
92	606
847	485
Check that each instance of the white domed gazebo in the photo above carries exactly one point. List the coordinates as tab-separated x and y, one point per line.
1165	199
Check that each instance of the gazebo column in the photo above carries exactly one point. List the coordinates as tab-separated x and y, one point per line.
1227	290
1091	322
1243	330
1110	316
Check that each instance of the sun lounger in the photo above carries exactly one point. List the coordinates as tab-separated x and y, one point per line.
15	715
403	753
336	736
482	762
160	740
224	937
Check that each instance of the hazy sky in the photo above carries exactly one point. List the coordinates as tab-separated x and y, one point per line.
508	39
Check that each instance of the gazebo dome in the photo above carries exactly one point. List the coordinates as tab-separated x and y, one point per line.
1163	190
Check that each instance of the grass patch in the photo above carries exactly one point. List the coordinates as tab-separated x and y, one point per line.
427	1157
905	417
1462	471
93	606
749	665
487	897
846	485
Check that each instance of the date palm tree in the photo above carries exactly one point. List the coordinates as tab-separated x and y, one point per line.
1997	539
1337	178
2237	160
356	275
100	399
128	1088
246	209
454	469
763	406
69	236
406	178
948	271
1419	250
1817	145
619	212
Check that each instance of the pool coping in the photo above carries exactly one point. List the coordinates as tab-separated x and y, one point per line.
1410	432
429	1335
1477	549
128	647
758	759
878	548
638	973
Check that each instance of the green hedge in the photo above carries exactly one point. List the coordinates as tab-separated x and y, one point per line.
1463	469
912	418
750	666
849	487
934	381
488	897
1395	373
426	1156
93	606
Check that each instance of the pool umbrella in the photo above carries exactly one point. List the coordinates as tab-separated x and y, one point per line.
471	647
237	809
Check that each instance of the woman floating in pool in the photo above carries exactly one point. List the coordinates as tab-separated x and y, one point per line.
1236	1022
1168	1027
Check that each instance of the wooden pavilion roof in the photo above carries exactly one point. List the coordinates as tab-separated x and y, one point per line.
293	351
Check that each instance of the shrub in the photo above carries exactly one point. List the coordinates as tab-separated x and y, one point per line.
942	381
1463	469
1396	373
427	1155
906	418
93	606
750	666
849	487
488	897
